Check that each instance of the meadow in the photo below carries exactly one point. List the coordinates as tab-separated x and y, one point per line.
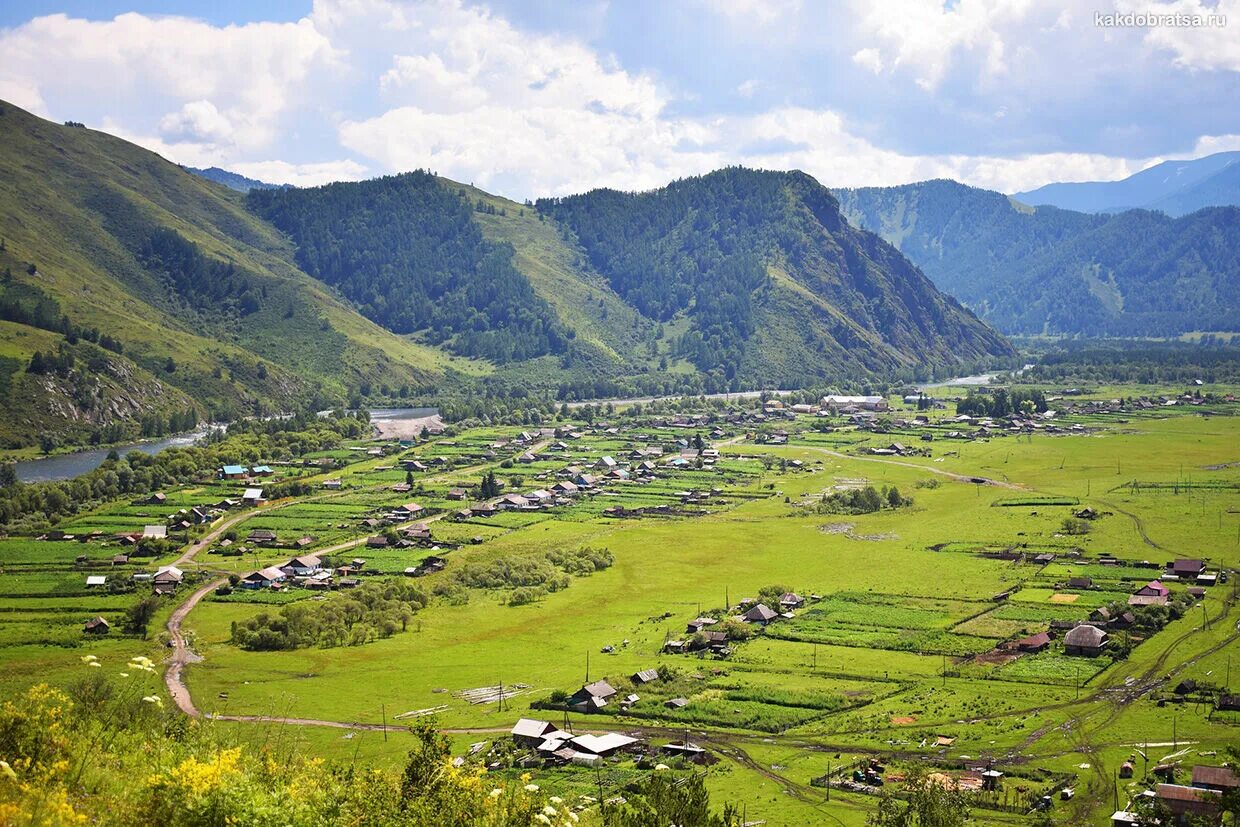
897	651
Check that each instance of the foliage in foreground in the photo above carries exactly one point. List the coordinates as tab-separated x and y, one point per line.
106	752
111	755
927	802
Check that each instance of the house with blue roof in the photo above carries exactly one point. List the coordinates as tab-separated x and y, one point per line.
233	472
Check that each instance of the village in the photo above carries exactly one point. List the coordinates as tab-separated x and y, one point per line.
1053	605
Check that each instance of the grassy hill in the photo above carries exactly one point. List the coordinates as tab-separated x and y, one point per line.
138	297
192	288
1041	270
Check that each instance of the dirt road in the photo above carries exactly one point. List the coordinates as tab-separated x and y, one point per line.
181	653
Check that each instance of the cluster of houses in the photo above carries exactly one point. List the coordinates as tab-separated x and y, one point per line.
1198	802
242	472
551	745
758	615
307	571
1142	403
1090	638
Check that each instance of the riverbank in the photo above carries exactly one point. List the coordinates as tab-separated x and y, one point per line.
63	466
410	428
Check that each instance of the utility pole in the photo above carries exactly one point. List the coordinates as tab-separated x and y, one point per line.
828	781
587	666
383	709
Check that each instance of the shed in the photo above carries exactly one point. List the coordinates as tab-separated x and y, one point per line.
96	626
760	615
1085	640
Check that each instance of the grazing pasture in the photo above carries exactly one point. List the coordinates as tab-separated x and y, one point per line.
903	643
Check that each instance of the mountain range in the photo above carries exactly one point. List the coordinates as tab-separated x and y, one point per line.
1045	270
138	296
233	180
1174	187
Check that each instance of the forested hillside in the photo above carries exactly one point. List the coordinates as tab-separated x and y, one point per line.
1047	270
406	251
774	284
138	298
152	298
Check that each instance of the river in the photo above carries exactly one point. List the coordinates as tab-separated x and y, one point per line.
67	466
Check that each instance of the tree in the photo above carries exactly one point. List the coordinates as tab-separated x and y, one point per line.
927	803
490	485
138	616
408	478
8	474
665	799
170	366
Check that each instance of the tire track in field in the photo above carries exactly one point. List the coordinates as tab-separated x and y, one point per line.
1136	521
952	475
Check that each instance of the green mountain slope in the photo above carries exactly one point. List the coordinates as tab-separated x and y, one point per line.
137	297
187	284
1046	270
769	283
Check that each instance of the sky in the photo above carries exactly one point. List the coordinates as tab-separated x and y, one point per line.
527	98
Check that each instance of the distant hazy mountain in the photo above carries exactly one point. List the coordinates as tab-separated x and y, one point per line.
1046	270
233	180
1174	187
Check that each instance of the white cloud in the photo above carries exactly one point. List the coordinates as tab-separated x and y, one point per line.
301	175
197	121
926	38
190	80
1206	47
1210	144
869	59
458	89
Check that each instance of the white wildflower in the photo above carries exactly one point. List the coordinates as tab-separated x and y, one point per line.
531	788
7	771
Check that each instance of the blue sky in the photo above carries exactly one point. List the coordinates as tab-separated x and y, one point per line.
535	97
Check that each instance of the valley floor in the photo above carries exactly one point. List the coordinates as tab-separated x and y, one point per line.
900	652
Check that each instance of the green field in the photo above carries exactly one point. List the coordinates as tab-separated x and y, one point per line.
898	645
